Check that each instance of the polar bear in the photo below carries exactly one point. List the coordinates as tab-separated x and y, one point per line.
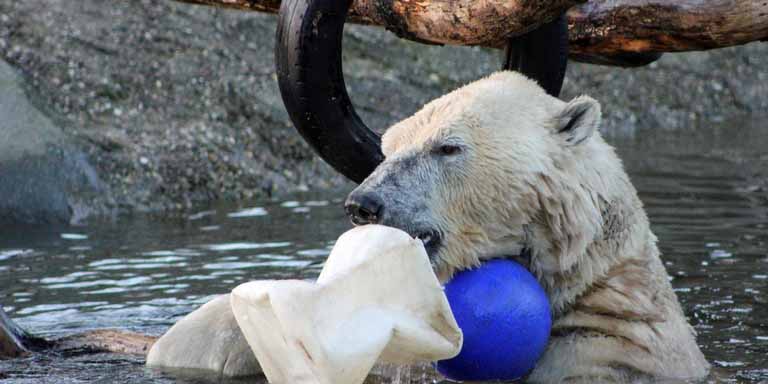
499	168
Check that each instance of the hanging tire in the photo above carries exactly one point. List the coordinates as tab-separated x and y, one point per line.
541	54
309	72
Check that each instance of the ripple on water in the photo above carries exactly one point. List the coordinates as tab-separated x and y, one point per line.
258	264
201	215
317	252
139	263
249	212
175	252
9	253
58	308
128	282
74	236
224	247
67	278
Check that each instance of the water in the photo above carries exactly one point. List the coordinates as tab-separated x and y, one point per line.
704	189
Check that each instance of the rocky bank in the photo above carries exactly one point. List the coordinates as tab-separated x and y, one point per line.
150	105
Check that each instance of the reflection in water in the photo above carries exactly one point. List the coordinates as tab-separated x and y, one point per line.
704	190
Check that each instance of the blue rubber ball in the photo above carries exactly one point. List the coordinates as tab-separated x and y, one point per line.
505	317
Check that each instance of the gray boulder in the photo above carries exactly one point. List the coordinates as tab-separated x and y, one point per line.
43	177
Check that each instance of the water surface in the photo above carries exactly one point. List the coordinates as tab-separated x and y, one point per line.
703	186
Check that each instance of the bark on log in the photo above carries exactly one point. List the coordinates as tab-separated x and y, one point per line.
15	342
106	340
615	27
617	32
454	22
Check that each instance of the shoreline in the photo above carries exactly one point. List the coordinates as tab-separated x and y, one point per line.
165	106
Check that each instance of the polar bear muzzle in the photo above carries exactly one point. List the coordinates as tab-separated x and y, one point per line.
367	207
395	195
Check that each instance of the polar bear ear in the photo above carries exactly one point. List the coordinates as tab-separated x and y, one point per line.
578	120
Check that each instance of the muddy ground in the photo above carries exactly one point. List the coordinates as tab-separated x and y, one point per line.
154	105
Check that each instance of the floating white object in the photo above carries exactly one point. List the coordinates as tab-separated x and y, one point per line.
209	339
376	299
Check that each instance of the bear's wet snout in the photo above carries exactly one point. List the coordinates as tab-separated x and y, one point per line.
364	207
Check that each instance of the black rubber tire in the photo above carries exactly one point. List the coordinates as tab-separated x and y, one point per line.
308	58
309	72
541	54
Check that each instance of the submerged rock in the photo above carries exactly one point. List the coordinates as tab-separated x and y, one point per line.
14	341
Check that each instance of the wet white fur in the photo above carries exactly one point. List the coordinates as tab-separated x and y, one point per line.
536	173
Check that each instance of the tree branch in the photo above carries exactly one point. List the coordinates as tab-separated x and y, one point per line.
615	32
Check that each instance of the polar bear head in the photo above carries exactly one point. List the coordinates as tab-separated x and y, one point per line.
497	168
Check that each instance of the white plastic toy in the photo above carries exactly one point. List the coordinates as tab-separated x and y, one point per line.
376	299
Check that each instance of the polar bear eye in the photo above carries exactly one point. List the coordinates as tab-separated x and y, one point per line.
449	150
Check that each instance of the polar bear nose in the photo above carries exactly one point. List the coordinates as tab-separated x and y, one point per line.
363	207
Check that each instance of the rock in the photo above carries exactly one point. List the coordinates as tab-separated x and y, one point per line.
44	177
11	342
14	341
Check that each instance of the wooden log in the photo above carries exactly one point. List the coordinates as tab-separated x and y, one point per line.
462	22
615	27
16	342
106	340
616	32
454	22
